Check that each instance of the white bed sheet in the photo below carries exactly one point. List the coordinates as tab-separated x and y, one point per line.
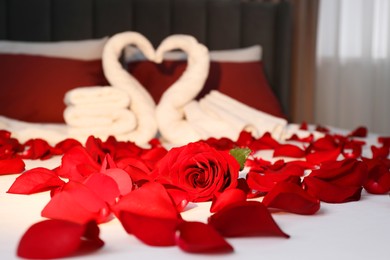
354	230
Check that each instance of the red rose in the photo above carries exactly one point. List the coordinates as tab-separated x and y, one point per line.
199	169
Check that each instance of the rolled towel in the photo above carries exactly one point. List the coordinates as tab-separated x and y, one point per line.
170	115
228	108
142	103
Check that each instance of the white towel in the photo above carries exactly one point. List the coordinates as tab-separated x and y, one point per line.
23	131
229	109
170	116
142	103
97	96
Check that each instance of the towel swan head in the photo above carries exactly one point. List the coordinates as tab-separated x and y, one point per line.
142	103
170	110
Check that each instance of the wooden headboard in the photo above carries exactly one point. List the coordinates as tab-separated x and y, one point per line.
219	24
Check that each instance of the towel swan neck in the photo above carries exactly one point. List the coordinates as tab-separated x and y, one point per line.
170	111
142	104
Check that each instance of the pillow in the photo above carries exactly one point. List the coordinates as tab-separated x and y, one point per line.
82	50
33	85
236	73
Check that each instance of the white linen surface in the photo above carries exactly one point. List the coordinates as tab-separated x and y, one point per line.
355	230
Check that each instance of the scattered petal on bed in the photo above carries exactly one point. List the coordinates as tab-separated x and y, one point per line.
197	237
249	218
77	203
77	164
57	238
226	198
337	181
292	198
38	149
154	231
323	156
67	144
359	132
378	181
289	150
104	187
11	166
36	180
150	214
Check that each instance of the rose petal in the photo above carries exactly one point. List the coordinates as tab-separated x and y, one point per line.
359	132
318	157
264	143
289	150
77	203
197	237
77	164
154	231
104	187
292	198
122	179
149	214
35	180
11	166
67	144
331	193
38	149
55	239
378	181
226	198
249	218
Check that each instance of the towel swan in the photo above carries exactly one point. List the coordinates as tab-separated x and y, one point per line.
142	104
170	116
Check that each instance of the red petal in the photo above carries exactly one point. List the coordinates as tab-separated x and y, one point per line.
149	214
150	200
226	198
77	163
289	150
67	144
249	218
38	149
104	187
11	166
35	180
292	198
122	179
53	239
329	192
76	203
323	156
197	237
154	231
378	180
359	132
179	197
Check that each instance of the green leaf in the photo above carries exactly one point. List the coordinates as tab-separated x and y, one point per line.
241	154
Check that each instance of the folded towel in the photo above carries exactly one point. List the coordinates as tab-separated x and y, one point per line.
97	96
230	109
209	124
142	103
170	115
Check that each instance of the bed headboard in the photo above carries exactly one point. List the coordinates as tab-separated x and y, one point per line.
219	24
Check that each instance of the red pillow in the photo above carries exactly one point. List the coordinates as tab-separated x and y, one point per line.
243	81
33	87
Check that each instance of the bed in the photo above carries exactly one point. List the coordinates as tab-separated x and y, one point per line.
356	229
